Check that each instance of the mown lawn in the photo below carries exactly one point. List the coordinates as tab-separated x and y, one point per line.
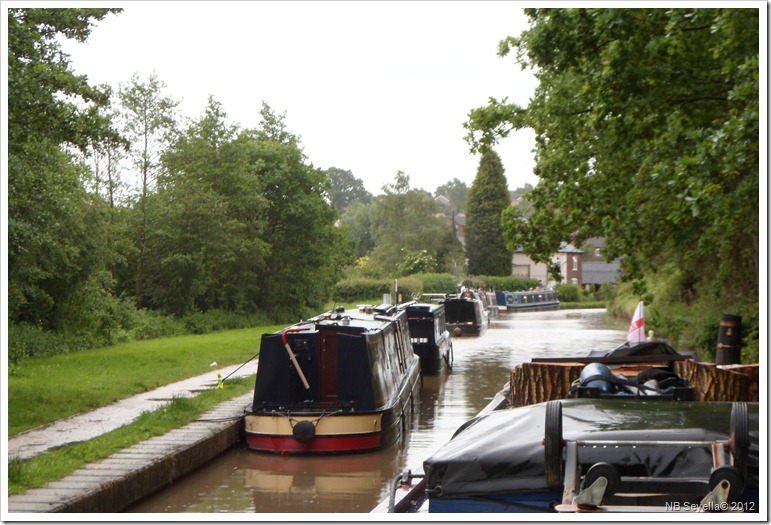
45	389
60	462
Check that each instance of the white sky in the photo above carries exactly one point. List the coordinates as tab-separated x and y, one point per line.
371	87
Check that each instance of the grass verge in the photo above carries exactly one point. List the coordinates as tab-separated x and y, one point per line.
54	465
42	390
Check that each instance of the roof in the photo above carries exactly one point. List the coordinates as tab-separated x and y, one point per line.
599	272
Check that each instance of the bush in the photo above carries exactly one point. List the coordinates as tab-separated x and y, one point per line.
503	283
27	340
437	282
361	289
568	292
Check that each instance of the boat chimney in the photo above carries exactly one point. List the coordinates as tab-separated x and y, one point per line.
729	340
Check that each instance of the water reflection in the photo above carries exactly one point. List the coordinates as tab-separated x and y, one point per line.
246	481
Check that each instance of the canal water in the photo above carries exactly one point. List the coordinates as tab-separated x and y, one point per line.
246	481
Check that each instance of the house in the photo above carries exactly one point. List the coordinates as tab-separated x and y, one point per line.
569	258
597	271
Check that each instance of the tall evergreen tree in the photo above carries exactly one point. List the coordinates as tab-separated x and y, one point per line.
488	197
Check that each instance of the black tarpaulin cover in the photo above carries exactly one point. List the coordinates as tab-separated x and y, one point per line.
503	451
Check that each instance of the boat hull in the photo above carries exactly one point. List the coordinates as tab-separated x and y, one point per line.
334	434
433	358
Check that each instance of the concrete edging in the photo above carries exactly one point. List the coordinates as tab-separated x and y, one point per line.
117	482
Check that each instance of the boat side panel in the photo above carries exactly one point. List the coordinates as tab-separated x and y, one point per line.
355	373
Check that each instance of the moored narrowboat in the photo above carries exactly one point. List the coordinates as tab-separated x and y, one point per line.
532	301
431	340
466	313
344	381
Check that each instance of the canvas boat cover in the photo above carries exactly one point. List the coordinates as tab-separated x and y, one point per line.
503	451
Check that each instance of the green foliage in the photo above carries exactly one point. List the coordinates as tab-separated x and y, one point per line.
416	262
456	192
49	100
503	284
404	231
647	133
568	292
437	282
489	195
361	289
358	222
345	189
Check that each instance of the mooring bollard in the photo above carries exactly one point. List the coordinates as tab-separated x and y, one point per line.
729	340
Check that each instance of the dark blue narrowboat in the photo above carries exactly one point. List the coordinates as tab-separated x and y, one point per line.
344	381
431	340
466	313
532	301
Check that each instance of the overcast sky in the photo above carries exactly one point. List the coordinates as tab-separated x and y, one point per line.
371	87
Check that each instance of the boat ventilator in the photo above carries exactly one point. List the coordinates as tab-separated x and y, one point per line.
724	484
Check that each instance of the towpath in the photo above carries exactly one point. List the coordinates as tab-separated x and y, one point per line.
89	425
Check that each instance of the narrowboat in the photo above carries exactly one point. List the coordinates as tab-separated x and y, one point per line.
344	381
490	302
466	313
532	301
430	338
617	433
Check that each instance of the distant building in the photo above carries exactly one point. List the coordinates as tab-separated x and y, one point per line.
569	258
598	271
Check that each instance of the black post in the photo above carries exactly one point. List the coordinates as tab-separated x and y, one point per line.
729	340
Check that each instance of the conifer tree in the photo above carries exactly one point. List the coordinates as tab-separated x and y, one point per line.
488	197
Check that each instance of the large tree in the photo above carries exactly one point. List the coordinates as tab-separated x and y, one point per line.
56	234
409	233
486	249
647	128
345	189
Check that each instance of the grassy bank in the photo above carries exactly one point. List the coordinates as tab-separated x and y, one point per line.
42	390
54	465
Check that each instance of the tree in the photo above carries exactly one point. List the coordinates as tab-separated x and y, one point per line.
273	128
205	246
455	191
307	251
149	122
647	133
359	223
489	195
56	241
408	231
345	189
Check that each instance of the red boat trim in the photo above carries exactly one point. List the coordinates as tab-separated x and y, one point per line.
319	444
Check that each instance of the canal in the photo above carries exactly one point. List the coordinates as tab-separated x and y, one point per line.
245	481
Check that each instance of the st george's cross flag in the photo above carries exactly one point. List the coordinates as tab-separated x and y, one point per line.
637	328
